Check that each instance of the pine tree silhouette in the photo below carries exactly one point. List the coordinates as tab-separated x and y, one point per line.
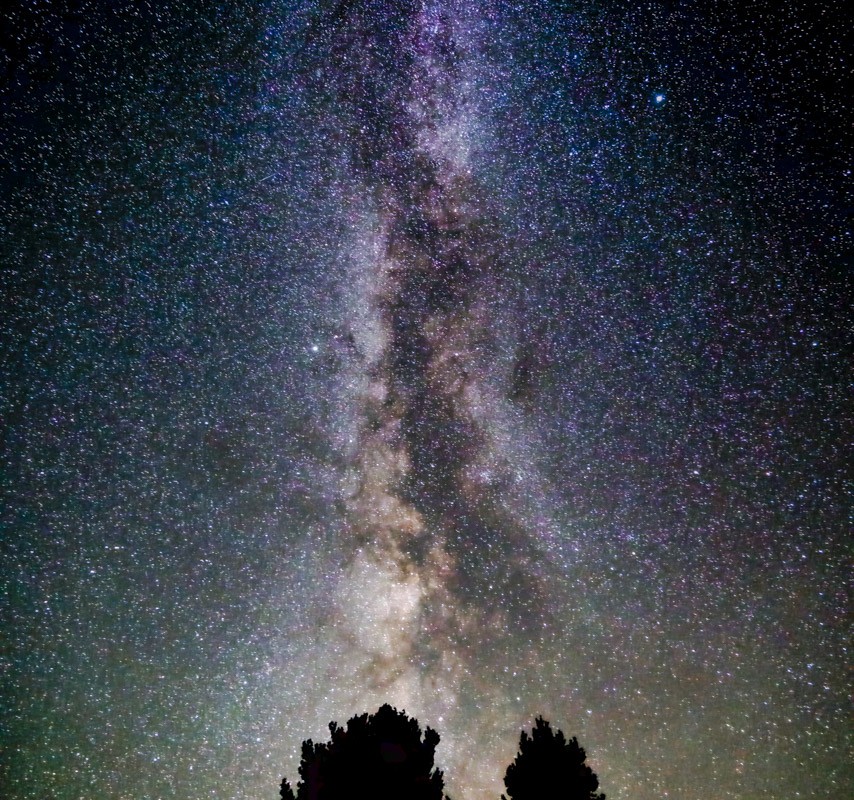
381	756
547	767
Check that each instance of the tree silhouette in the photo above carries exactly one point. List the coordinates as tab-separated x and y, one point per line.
547	767
381	756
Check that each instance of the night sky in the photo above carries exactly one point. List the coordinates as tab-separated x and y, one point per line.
491	359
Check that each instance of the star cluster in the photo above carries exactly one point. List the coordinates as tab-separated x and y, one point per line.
485	358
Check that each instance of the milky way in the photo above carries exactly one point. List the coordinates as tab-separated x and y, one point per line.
487	359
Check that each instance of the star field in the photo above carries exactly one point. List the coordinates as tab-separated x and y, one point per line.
488	359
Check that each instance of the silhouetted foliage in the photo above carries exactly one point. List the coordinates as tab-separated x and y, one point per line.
547	767
381	756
